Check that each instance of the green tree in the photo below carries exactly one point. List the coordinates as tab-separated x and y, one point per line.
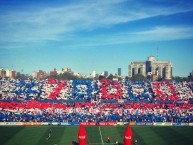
127	78
138	77
22	76
102	77
178	78
110	77
68	76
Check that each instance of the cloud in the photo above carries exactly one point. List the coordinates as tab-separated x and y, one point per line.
164	33
59	23
161	33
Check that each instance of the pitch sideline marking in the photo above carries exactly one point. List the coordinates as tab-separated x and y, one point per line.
101	136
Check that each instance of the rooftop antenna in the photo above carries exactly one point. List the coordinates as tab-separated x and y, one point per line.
157	53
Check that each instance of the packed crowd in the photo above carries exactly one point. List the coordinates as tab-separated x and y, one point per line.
172	91
92	112
35	100
74	90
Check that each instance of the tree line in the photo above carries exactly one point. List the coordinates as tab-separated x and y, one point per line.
71	76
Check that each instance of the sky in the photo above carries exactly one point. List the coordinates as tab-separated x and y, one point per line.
100	35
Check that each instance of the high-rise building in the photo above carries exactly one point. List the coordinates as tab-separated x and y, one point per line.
119	71
94	74
53	73
39	74
2	73
13	74
106	73
8	73
151	67
192	73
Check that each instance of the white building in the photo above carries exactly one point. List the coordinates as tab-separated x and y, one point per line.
94	74
161	69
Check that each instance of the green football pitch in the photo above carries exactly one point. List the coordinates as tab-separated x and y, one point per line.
64	135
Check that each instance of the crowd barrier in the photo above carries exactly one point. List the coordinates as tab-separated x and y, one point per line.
93	123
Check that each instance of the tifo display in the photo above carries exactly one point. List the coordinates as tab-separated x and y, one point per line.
96	101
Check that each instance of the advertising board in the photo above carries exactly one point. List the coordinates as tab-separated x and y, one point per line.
11	123
162	123
107	123
184	124
64	123
45	123
148	123
32	123
140	123
190	124
132	123
88	123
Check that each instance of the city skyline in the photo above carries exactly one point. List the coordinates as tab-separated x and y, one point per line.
95	35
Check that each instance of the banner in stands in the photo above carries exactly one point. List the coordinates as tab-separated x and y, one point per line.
11	123
88	123
108	123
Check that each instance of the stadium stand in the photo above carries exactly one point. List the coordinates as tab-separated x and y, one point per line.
95	101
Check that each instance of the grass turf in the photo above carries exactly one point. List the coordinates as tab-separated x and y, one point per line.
64	135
